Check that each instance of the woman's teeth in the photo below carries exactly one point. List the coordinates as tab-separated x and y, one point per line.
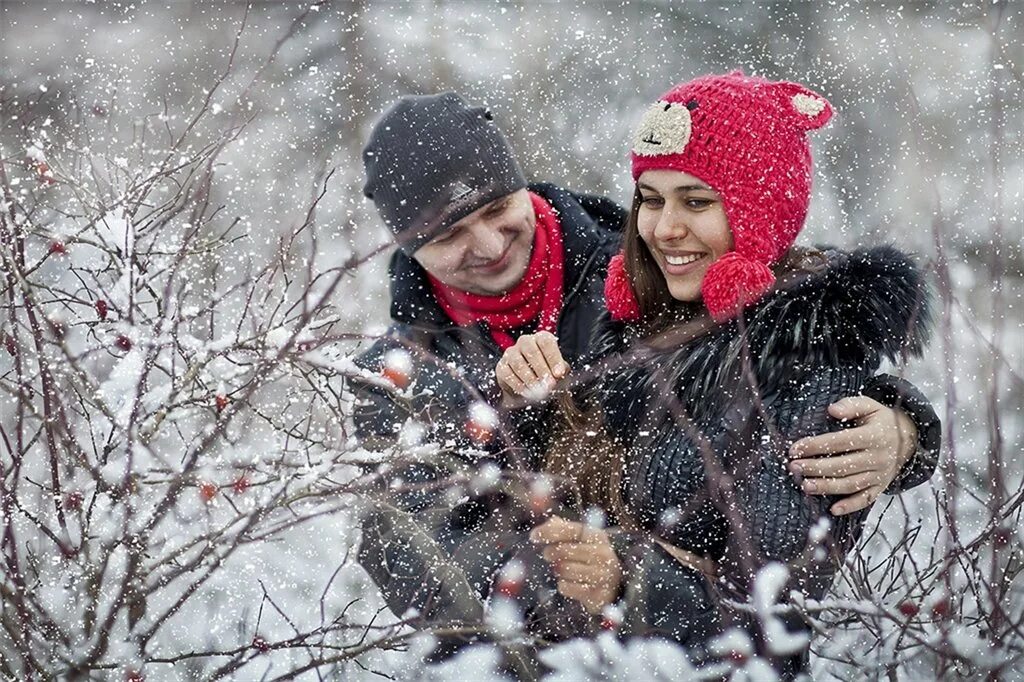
683	260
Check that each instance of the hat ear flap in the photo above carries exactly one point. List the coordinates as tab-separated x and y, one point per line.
809	110
619	296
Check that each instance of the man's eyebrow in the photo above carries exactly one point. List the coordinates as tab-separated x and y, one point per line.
680	188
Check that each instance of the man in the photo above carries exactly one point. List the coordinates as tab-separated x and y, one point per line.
484	260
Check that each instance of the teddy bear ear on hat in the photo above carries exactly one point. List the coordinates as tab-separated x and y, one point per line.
809	109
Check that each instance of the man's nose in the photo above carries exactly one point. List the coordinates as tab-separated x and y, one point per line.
488	241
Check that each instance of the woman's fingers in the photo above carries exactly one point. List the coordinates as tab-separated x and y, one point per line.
578	591
833	467
838	442
593	599
557	529
854	407
861	500
568	551
583	574
593	554
582	559
847	485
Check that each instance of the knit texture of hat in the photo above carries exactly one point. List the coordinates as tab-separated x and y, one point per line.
431	161
746	138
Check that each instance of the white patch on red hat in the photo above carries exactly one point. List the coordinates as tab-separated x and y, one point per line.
664	129
807	105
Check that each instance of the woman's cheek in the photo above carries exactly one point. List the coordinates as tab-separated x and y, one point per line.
646	228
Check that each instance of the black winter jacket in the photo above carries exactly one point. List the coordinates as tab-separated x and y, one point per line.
423	551
706	427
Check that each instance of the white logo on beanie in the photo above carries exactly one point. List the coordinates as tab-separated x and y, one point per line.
807	105
664	129
459	191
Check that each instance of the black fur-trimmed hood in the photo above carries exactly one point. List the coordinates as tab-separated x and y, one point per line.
854	310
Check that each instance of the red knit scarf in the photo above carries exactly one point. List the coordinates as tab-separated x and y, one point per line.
538	296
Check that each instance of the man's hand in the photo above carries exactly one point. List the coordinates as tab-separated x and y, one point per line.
531	367
859	462
583	560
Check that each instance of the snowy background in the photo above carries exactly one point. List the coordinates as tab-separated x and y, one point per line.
263	112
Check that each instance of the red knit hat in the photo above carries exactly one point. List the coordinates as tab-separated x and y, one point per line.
745	137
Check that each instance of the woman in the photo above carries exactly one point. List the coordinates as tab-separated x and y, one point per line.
724	344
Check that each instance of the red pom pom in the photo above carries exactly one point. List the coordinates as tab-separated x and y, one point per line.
619	297
734	282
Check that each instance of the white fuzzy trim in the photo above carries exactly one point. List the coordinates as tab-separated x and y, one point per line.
664	129
807	105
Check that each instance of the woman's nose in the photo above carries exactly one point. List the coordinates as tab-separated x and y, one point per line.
671	225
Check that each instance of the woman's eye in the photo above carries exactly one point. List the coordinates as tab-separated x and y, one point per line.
651	202
699	203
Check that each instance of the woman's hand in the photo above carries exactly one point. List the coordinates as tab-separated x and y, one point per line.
583	560
862	461
531	366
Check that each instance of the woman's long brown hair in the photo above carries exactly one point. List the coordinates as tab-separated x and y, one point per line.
581	450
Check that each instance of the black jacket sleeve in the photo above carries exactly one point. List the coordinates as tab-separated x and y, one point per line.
435	398
417	543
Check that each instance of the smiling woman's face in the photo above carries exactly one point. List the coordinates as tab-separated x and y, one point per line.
488	251
682	221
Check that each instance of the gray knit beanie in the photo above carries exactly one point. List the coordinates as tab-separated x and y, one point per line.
431	161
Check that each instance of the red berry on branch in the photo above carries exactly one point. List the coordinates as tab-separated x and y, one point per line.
481	423
73	500
10	345
58	326
480	434
908	608
541	496
101	308
222	402
940	609
57	248
240	485
397	368
611	617
510	580
397	378
207	491
260	644
123	342
44	174
133	675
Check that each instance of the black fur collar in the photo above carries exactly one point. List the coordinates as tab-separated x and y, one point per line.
859	308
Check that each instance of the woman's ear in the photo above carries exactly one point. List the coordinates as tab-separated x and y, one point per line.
808	109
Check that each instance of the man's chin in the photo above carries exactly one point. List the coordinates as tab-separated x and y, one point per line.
500	283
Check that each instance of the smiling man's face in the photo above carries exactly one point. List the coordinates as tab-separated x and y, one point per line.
488	251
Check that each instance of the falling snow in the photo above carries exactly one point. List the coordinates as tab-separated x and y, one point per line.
190	267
